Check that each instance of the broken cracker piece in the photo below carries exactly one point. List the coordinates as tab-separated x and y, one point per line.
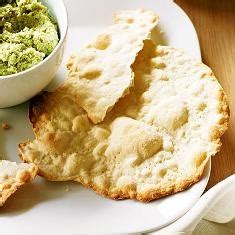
101	72
5	126
14	175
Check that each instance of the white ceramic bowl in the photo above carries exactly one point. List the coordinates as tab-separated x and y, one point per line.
18	88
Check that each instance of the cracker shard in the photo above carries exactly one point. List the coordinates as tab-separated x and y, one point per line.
155	142
101	72
13	176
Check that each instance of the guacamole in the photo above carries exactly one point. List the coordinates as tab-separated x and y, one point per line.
27	35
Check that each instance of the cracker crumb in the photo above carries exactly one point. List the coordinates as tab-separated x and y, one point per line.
5	126
67	189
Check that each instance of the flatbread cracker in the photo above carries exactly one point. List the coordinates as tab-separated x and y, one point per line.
101	72
14	175
156	140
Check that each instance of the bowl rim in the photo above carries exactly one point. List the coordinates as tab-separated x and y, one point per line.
61	40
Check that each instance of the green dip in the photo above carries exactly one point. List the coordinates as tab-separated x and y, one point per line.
27	35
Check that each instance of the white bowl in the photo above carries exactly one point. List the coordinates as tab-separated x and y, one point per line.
20	87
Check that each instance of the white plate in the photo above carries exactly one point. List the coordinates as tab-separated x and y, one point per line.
67	207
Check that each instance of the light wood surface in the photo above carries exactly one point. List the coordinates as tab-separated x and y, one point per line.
214	21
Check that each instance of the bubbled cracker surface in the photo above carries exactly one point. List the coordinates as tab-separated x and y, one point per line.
101	72
12	176
155	141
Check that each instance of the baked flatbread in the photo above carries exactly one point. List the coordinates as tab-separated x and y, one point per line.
101	72
14	175
155	141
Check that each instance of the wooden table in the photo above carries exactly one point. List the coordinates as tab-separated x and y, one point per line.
214	21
